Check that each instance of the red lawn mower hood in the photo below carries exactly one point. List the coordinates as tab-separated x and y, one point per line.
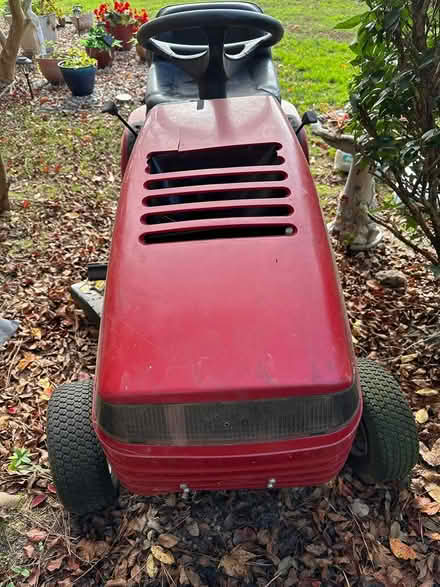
221	283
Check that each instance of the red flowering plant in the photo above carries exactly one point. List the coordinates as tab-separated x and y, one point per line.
120	14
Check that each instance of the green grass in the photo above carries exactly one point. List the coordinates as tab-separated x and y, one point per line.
313	57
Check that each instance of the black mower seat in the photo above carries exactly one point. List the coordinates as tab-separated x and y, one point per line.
168	83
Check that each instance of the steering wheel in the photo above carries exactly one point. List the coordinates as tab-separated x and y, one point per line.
210	65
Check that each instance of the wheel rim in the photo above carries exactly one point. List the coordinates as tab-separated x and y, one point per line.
360	444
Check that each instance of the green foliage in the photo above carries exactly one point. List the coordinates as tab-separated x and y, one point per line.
98	38
42	7
396	109
52	50
76	58
20	461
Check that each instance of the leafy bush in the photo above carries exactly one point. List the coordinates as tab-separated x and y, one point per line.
396	109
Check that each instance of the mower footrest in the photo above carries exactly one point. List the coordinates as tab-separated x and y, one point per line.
89	297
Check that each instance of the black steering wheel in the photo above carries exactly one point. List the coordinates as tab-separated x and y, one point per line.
210	65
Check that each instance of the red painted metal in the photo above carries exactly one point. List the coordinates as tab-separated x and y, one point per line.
222	319
301	462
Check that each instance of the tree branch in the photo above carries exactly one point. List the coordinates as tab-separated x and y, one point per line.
424	252
345	143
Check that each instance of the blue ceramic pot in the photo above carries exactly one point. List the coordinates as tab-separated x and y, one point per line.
80	80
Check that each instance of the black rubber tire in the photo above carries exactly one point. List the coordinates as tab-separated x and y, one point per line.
79	467
389	427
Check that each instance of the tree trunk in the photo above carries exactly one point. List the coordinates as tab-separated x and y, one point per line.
4	188
10	45
352	225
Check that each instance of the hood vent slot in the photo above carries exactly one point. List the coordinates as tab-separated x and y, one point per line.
207	213
216	196
201	179
231	156
218	232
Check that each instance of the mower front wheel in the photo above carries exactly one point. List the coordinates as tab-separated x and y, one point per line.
386	446
79	467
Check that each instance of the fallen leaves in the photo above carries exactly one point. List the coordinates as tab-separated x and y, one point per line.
235	563
426	392
402	550
8	500
434	491
152	568
164	556
36	535
422	416
432	457
168	540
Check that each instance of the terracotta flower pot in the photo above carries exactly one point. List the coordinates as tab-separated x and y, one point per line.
103	58
123	33
50	70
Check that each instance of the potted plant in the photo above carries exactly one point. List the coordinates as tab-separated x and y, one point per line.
79	71
48	64
100	45
121	21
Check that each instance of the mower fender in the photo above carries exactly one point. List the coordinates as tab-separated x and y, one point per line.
136	121
295	120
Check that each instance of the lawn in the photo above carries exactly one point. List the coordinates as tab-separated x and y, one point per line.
64	193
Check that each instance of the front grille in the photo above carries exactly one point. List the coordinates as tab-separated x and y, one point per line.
225	423
215	194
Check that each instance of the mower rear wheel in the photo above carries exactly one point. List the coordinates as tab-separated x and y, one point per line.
386	446
79	467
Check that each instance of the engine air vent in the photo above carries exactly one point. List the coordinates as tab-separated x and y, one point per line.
207	213
217	232
234	156
215	178
215	196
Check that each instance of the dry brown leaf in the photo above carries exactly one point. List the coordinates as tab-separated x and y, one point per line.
162	555
4	420
152	567
26	361
86	549
36	333
54	564
193	528
168	540
408	358
434	491
235	563
432	457
402	550
36	535
426	392
431	509
422	416
7	500
116	583
29	550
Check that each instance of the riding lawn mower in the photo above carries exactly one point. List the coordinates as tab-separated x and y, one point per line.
225	356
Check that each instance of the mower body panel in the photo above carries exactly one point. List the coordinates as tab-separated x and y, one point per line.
221	287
